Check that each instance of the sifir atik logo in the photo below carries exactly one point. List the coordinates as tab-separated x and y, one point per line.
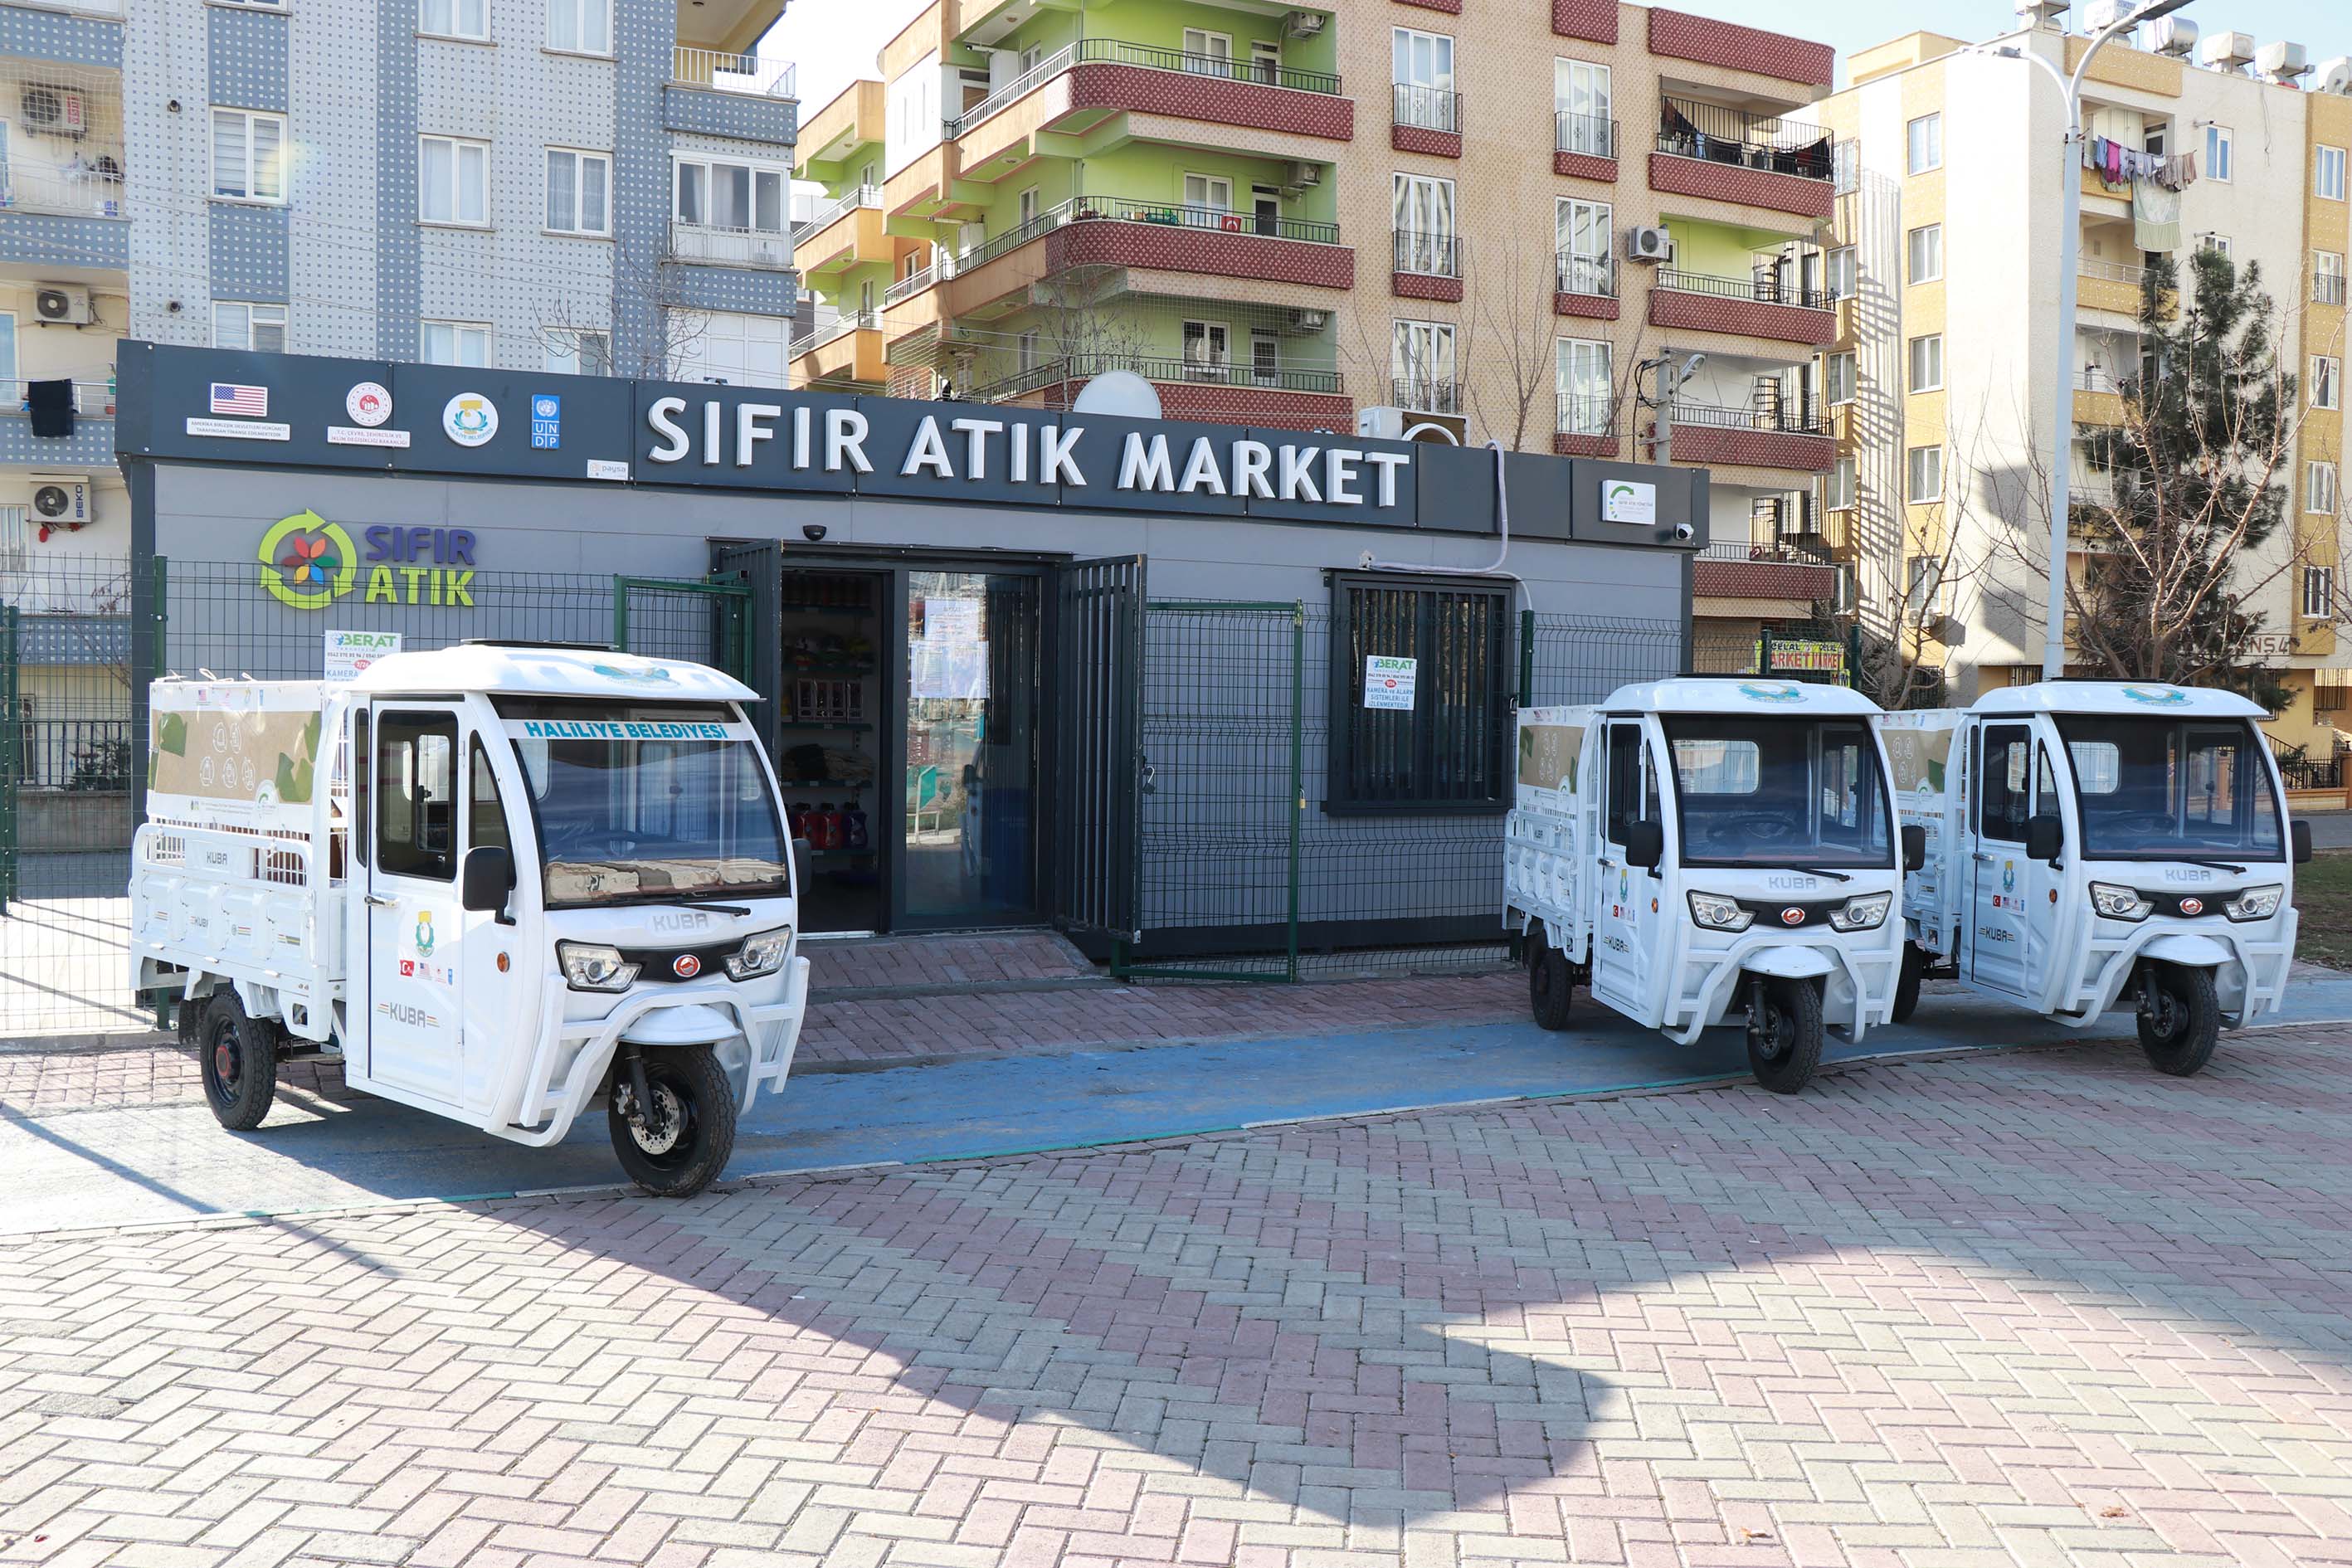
310	562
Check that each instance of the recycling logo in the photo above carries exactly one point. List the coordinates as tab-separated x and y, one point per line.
307	562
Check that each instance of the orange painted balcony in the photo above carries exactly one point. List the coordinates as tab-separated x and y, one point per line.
849	349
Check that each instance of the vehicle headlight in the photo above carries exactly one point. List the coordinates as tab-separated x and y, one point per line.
1715	912
2120	903
1864	911
589	967
760	954
2255	903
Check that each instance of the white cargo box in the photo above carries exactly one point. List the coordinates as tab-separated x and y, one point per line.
241	754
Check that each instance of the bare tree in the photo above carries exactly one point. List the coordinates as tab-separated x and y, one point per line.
646	288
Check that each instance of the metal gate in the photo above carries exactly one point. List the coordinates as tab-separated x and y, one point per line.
707	623
1098	766
760	570
12	750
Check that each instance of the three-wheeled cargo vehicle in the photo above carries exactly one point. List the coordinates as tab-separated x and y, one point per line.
2100	843
1704	848
494	880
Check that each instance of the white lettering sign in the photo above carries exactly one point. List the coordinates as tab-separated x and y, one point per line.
1388	682
348	652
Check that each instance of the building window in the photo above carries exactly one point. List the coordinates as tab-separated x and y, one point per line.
578	352
249	155
455	343
1447	750
1923	585
1927	362
1844	273
2327	277
453	181
580	27
1420	366
714	194
1423	72
1207	53
1924	139
2217	149
2318	593
259	328
1582	234
2319	488
579	192
2327	174
1208	349
1839	486
1924	474
1586	388
1926	253
1422	215
2326	381
2215	241
1582	98
1838	373
454	18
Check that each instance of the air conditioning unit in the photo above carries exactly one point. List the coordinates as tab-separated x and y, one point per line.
2226	51
54	110
1304	176
1382	423
1650	244
1304	24
59	500
2034	13
2101	15
2281	62
2334	76
2174	35
1304	323
62	305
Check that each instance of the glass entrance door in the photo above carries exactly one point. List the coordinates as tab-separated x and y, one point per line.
970	842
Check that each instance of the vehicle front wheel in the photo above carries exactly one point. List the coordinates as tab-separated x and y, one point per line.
2179	1018
239	1057
682	1141
1549	983
1784	1034
1906	984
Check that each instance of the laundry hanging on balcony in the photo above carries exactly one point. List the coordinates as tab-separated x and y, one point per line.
1730	136
2118	165
2155	216
50	404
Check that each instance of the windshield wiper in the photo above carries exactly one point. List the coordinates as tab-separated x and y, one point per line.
672	899
2218	865
1812	871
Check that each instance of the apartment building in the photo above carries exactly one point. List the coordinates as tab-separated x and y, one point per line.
1029	196
540	187
1941	381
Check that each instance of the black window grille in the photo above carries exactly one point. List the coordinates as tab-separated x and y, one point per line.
1446	751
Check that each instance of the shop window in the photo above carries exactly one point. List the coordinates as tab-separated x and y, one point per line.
1437	741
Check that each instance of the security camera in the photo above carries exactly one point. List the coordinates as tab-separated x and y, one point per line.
1684	534
813	532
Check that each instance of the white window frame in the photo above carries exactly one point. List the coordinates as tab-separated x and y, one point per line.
1216	341
2326	268
2318	593
1405	71
581	157
1840	488
1842	274
458	330
2324	161
456	29
1266	367
1911	463
1208	201
1431	343
757	167
563	357
1585	369
2319	488
1837	395
1205	60
252	194
1924	161
459	147
1027	206
255	314
583	11
2326	381
1932	344
2214	240
1421	208
1932	235
2221	153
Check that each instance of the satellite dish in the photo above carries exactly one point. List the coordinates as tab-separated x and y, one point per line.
1118	392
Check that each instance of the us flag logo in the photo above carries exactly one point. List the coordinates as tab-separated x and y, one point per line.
236	397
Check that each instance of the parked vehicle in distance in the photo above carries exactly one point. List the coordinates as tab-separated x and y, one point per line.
1706	849
2100	843
494	880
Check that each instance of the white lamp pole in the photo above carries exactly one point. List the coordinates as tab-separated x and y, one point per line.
2070	244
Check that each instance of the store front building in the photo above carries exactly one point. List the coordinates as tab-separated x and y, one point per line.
1017	668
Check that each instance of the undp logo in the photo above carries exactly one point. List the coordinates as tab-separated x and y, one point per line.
307	562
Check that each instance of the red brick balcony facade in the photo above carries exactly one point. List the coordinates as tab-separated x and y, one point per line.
1753	448
1733	182
1221	100
1729	305
1758	579
1593	19
1221	395
1122	240
1567	445
1680	35
1422	139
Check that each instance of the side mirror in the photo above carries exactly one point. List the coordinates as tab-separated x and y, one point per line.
800	867
2299	835
1645	844
2045	836
488	879
1914	847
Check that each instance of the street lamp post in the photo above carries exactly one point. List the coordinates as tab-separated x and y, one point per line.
2070	243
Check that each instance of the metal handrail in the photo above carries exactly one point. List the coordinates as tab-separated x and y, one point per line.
1430	255
735	247
1426	107
1229	373
1425	394
2099	378
2112	271
2327	288
1794	418
1585	133
831	212
725	70
848	321
1152	57
92	399
1716	135
93	191
909	286
1592	275
1791	549
1760	290
1584	415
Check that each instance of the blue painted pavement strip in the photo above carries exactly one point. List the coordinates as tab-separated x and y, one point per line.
128	1165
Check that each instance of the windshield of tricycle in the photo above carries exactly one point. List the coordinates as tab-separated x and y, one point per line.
647	803
1786	793
2171	789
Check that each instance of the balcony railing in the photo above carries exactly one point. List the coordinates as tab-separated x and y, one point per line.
1583	414
2098	378
73	753
1433	255
1791	418
730	247
726	71
1688	129
95	190
1427	108
1214	373
2111	271
90	7
1585	133
1763	288
91	398
1595	275
909	286
841	326
1118	51
831	212
2327	288
1425	394
1794	549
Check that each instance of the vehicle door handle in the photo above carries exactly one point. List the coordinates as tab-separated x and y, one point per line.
379	901
1982	858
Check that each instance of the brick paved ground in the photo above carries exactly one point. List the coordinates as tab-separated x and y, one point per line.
2024	1308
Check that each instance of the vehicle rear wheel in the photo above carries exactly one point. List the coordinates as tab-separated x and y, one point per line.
240	1057
1784	1034
1549	983
1906	984
2179	1018
682	1142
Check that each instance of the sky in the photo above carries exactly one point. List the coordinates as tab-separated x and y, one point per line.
835	41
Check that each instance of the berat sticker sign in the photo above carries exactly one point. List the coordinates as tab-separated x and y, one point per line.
1388	682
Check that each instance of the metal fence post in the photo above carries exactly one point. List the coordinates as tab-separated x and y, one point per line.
11	747
1298	764
620	613
1527	659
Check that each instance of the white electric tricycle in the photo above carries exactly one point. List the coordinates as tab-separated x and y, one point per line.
494	880
1703	848
2102	844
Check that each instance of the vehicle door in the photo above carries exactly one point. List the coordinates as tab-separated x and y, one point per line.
1995	930
1624	927
495	990
415	992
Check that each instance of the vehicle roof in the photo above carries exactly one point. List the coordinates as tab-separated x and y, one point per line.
551	672
2152	697
1738	694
